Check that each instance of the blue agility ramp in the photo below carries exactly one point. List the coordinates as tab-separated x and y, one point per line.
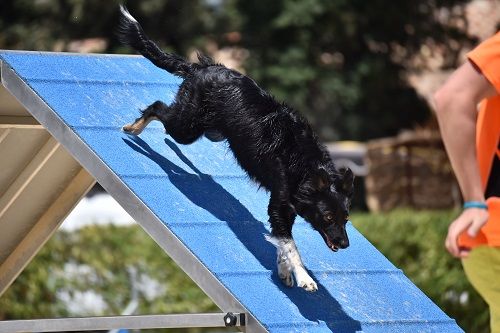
200	207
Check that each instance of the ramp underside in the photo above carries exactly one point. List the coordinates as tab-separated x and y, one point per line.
200	207
40	183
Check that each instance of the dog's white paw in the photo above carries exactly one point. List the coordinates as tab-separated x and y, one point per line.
289	262
305	281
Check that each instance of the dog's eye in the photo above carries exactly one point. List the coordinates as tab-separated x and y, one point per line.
328	217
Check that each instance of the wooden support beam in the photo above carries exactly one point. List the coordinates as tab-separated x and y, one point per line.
4	132
18	120
27	175
45	227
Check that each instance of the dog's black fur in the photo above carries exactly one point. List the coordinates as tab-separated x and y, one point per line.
272	142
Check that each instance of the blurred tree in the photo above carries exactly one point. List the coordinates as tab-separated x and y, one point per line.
51	24
178	25
92	264
341	62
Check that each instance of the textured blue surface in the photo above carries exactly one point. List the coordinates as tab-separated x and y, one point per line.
201	194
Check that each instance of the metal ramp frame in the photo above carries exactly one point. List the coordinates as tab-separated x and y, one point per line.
195	202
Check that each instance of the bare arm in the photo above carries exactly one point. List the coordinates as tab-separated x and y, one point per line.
456	108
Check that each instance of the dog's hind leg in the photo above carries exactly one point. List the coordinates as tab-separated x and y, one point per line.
147	115
214	136
180	123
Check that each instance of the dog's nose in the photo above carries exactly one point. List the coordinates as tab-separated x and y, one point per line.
344	243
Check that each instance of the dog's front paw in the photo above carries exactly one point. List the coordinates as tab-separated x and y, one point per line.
306	282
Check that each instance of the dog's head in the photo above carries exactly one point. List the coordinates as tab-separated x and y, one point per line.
324	200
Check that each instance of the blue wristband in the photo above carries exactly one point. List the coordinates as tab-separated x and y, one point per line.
475	204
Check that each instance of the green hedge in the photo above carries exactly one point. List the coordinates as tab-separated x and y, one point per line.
414	242
97	258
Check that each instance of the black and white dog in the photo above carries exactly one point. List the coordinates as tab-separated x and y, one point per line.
272	142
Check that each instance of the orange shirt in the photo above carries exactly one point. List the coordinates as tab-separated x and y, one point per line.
486	57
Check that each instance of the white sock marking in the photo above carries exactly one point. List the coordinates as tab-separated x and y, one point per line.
289	261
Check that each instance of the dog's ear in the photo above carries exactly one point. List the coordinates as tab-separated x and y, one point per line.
321	179
346	181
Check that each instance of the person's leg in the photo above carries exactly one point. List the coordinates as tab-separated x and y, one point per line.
482	268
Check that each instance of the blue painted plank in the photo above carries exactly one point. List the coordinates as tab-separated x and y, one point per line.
200	193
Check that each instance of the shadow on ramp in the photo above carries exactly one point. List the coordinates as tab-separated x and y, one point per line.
315	307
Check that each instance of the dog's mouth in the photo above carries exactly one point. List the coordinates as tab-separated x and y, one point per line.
329	243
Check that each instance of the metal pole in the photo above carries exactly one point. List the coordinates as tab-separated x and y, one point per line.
129	322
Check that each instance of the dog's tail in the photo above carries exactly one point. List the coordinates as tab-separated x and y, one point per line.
130	33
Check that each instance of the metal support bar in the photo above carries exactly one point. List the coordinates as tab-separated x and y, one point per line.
126	322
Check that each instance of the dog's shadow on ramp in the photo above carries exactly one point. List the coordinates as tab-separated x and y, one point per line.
202	190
